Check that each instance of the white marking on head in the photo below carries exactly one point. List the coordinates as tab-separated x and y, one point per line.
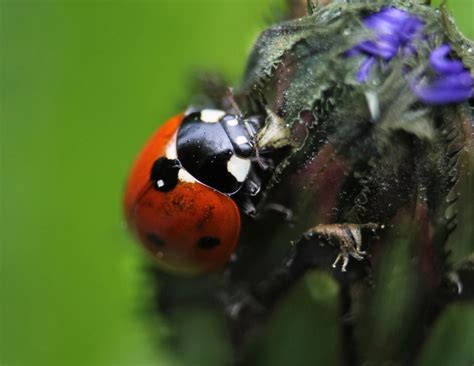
211	115
240	140
184	176
232	122
160	183
238	167
170	151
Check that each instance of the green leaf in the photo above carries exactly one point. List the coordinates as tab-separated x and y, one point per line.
304	329
461	243
199	337
387	326
452	339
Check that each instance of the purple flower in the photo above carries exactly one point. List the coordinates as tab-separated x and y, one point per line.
394	31
452	82
395	34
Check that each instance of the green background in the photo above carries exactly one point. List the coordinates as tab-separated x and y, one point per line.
83	84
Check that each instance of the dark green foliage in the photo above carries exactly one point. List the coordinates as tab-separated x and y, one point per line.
199	337
401	166
315	300
450	341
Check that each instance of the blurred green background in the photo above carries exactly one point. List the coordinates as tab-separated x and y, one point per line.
83	84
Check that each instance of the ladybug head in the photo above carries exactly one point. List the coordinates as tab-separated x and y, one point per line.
216	148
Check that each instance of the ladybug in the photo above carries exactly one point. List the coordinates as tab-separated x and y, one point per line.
179	199
350	138
343	133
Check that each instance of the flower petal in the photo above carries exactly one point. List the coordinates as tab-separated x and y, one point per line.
447	89
442	64
387	20
385	47
364	69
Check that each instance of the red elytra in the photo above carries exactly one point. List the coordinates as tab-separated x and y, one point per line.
190	229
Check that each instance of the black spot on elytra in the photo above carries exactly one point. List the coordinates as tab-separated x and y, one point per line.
164	174
155	239
208	242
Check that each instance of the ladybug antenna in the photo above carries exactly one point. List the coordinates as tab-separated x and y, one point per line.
230	97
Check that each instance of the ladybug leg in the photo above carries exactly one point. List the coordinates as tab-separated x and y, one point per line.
347	236
276	207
